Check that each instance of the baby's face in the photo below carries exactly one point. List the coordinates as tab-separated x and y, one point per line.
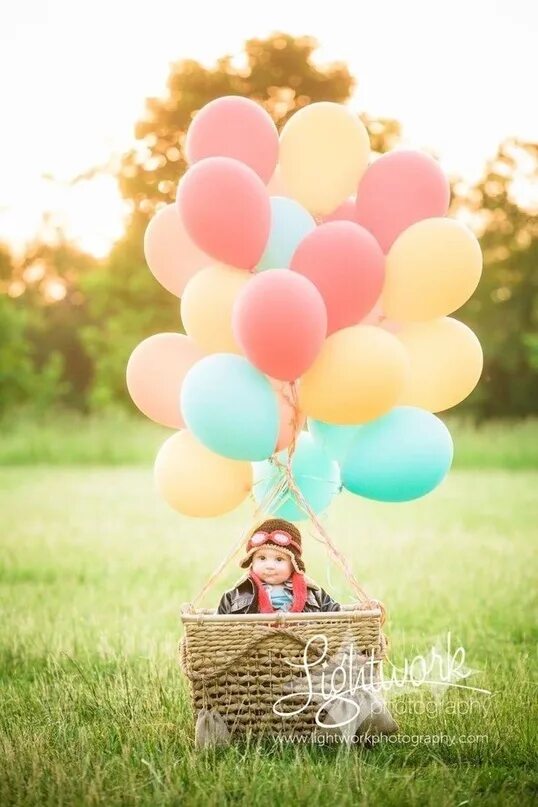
271	565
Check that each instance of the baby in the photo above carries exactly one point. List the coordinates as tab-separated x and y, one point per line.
276	579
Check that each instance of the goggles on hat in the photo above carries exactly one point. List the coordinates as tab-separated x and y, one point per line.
278	537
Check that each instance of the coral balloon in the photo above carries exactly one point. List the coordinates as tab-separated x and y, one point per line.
226	210
344	212
206	307
233	126
280	321
231	407
431	270
399	189
316	476
292	419
197	482
401	456
346	264
155	372
289	224
445	363
170	253
358	376
324	150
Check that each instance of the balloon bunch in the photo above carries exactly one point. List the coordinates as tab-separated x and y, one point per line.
302	301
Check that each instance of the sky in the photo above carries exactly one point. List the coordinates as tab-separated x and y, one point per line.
74	76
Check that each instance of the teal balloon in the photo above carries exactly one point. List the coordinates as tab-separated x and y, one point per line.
231	407
289	224
315	474
336	440
399	457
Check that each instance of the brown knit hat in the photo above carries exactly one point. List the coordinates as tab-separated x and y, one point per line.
273	525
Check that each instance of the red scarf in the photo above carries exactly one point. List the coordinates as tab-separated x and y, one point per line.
265	606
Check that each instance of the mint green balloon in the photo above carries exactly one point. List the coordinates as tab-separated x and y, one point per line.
289	224
400	456
336	440
316	476
231	407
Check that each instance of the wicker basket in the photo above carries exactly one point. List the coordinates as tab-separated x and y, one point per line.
241	665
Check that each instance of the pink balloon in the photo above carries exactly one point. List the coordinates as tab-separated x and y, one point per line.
289	419
345	262
155	372
236	127
344	212
170	253
226	210
399	189
280	321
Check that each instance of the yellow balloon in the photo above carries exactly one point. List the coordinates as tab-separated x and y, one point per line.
324	151
445	363
195	481
207	304
432	268
358	376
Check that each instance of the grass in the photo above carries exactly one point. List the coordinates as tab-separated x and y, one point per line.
119	438
93	570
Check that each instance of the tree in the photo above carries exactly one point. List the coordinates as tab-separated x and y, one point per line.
504	309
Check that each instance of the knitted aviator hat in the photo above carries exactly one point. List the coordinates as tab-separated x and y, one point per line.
294	550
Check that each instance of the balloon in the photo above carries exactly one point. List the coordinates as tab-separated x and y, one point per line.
280	321
206	307
170	253
231	407
446	363
197	482
401	456
316	476
292	419
324	150
226	210
276	186
233	126
344	212
431	270
399	189
346	264
377	317
155	372
289	224
335	440
358	376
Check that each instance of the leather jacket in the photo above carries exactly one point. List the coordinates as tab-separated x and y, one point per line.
243	599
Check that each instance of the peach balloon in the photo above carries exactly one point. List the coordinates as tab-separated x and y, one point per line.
170	253
431	270
155	372
290	418
206	307
358	376
445	363
195	481
276	185
377	317
344	212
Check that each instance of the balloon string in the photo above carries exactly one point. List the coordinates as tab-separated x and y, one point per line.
287	473
267	503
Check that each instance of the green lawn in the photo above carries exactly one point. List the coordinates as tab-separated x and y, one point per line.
93	570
